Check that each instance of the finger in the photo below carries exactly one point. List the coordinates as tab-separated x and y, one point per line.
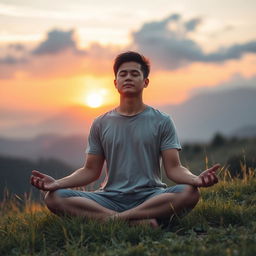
203	181
207	179
38	183
34	181
42	186
38	174
211	170
214	168
215	179
210	179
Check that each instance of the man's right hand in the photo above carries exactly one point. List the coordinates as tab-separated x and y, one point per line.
43	181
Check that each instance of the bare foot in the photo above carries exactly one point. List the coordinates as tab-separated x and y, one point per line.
151	222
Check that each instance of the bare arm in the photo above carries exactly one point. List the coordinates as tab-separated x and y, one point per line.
85	175
81	177
181	175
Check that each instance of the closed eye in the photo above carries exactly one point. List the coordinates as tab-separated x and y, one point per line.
122	73
135	73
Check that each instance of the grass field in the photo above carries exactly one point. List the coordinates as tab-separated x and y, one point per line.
223	223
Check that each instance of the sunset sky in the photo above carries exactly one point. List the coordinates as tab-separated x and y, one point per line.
58	53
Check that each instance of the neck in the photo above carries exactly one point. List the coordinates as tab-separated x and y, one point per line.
131	105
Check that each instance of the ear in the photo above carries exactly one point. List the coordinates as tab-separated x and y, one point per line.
115	83
146	82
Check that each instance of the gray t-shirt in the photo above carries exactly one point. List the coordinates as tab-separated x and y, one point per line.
132	148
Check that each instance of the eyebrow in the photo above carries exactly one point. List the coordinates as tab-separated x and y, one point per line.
127	70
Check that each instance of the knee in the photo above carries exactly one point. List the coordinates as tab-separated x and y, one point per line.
52	200
192	195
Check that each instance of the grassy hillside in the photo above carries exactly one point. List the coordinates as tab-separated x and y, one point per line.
229	152
15	173
223	223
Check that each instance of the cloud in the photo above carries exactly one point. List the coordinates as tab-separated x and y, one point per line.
232	52
10	60
13	54
17	47
57	55
235	81
56	42
192	24
167	43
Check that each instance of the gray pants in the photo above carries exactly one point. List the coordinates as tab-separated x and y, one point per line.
120	202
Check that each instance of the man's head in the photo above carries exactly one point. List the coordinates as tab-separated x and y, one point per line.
132	57
131	73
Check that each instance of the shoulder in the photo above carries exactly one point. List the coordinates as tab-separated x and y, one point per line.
104	117
164	120
159	115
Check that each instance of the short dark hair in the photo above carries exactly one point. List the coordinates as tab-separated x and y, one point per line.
132	56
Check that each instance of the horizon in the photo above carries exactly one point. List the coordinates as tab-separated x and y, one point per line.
76	119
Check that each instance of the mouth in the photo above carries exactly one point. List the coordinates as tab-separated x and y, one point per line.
128	85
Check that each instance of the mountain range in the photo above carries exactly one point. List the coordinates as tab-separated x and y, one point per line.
203	115
64	135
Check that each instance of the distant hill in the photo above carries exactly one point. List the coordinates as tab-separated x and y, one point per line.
245	132
197	119
203	115
68	149
15	173
71	120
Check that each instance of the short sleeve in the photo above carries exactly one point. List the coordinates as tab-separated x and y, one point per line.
94	145
169	137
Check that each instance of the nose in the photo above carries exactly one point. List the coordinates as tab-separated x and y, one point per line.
128	77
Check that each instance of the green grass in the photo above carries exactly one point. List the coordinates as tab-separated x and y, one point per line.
223	223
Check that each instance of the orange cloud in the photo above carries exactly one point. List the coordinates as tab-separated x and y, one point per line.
175	86
56	72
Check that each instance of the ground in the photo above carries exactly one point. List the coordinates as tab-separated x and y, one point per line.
223	223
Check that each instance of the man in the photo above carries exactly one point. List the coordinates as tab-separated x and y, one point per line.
131	139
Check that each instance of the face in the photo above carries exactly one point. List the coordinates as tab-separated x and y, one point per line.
129	79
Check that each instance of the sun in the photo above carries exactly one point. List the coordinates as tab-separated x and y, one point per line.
94	100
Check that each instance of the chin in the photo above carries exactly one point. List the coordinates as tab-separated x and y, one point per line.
130	94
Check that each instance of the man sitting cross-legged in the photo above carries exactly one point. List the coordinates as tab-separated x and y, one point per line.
132	139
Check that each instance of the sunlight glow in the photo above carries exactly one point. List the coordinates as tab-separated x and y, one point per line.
95	99
101	89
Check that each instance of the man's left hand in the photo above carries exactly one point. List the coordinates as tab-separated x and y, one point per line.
208	177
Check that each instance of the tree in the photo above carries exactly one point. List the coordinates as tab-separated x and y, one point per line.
218	140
